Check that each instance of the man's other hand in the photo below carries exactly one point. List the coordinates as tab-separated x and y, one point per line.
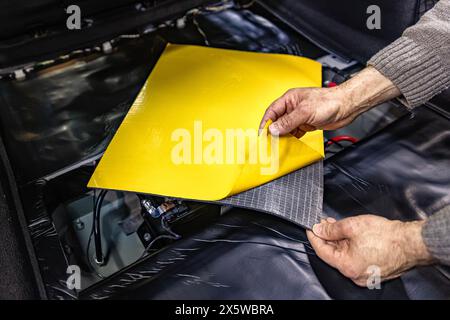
354	244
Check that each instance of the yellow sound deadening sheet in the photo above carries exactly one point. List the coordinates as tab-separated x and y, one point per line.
181	136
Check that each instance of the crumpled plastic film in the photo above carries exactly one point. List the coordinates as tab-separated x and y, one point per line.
175	139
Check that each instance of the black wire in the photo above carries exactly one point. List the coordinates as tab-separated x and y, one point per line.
333	142
88	257
168	229
88	246
171	235
96	227
163	236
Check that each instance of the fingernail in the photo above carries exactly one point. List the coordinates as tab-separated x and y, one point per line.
317	228
331	220
273	128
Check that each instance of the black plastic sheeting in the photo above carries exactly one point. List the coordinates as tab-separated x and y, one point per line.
244	255
23	17
341	26
400	173
54	252
233	28
69	112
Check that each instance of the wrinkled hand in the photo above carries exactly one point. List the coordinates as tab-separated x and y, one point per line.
354	244
306	109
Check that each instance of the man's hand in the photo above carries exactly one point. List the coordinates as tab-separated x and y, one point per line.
354	244
308	109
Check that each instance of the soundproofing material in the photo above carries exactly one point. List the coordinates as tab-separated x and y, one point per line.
296	197
192	132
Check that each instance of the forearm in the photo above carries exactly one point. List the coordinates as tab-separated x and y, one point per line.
414	246
367	89
428	241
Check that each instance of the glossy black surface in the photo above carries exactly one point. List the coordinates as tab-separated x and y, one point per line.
244	255
36	30
341	26
69	112
236	28
400	173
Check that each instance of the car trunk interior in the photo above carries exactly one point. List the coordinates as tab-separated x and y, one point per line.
59	113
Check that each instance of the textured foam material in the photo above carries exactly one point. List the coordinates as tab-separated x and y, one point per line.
296	197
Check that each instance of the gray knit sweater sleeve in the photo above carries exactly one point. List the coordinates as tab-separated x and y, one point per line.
436	235
418	63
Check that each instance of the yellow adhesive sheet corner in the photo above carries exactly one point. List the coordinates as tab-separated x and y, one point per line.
181	136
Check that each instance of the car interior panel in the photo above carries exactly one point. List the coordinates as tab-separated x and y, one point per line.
64	94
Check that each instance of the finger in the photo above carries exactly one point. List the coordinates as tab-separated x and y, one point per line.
307	127
298	133
325	251
331	220
331	231
286	123
335	244
273	112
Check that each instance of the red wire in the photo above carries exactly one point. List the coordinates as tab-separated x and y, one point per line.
342	138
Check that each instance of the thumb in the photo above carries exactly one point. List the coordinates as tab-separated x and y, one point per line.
284	124
331	231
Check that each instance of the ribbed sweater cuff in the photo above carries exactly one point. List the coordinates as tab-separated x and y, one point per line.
418	73
436	235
